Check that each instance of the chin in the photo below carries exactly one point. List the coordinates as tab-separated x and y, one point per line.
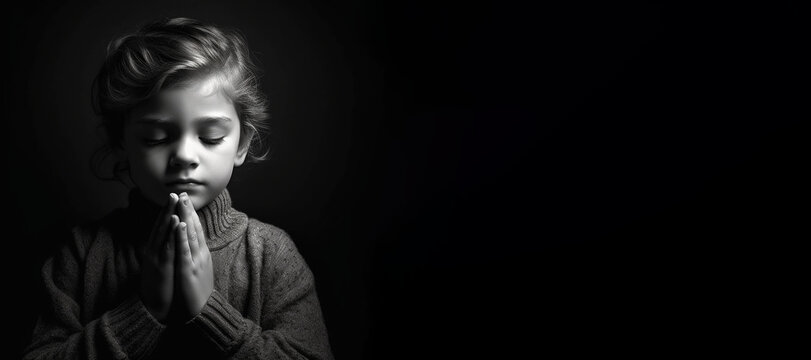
200	199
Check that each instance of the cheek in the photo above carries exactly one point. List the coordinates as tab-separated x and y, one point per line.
148	162
227	151
221	161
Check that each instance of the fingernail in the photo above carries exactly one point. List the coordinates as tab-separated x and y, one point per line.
182	226
172	196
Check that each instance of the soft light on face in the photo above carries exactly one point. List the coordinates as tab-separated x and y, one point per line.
185	139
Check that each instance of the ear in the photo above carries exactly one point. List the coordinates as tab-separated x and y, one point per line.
242	150
242	153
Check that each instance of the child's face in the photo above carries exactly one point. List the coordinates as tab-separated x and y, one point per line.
182	135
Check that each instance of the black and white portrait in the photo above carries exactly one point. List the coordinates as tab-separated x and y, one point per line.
400	180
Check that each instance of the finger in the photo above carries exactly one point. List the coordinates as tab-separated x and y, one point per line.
164	221
201	235
193	240
156	225
186	209
182	250
168	244
187	215
162	212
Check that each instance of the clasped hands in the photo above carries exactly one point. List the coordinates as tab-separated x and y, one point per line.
177	273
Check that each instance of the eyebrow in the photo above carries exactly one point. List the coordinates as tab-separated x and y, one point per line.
204	120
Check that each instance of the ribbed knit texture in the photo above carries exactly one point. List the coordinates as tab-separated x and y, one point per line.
264	304
134	327
219	322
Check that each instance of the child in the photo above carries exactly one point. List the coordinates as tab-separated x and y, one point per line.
179	273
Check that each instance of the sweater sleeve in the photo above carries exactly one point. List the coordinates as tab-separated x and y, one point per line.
126	331
291	327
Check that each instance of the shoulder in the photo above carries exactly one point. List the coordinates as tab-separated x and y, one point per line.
74	244
270	237
260	228
276	247
96	232
280	256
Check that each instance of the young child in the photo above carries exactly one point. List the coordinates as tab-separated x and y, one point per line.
179	273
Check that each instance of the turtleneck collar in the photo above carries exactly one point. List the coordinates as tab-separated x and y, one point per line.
221	222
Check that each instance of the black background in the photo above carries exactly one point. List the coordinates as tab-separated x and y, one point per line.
472	180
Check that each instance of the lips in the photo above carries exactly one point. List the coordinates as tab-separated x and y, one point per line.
184	182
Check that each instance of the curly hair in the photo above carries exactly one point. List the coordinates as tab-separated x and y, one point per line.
172	52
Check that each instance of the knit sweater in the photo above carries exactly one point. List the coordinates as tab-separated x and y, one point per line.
264	304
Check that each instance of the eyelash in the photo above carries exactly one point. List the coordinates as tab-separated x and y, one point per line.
154	142
206	141
212	141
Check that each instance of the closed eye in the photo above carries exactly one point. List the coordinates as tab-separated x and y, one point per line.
212	141
153	142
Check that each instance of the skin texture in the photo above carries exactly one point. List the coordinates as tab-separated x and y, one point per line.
173	136
157	263
194	269
183	133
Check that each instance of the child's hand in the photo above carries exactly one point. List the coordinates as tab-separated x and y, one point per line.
157	263
194	269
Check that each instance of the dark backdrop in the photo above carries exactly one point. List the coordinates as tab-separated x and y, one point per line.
470	180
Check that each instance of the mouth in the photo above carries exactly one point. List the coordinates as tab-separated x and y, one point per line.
184	183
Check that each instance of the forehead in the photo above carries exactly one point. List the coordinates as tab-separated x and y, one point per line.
192	99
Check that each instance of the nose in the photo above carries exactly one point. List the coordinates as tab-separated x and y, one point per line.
184	154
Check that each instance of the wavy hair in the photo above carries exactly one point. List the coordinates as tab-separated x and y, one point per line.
168	53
